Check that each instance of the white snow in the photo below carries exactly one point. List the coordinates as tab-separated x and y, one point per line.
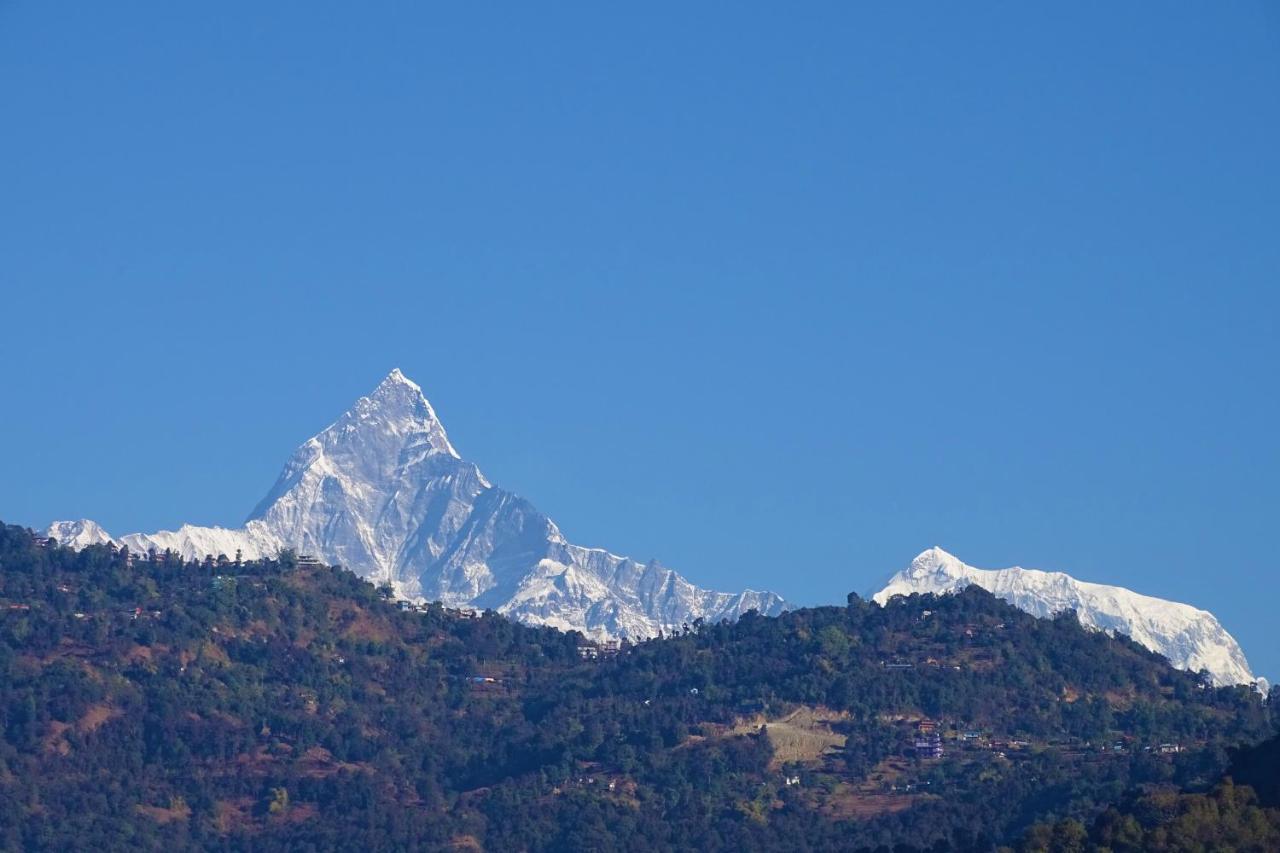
1190	638
78	534
383	492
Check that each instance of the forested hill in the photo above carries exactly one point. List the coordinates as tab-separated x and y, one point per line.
1241	812
148	702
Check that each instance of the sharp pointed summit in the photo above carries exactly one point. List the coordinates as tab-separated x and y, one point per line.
397	405
383	492
397	377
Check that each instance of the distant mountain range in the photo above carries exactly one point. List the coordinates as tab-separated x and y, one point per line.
1190	638
383	492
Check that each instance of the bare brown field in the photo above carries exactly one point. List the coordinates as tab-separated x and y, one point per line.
802	736
849	803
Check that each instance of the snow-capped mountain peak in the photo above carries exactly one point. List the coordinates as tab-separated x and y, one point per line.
78	534
383	492
397	407
1189	637
934	561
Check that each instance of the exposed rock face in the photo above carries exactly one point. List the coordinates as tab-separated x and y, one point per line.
383	492
1190	638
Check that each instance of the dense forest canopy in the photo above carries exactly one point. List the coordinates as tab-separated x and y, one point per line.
1241	812
147	702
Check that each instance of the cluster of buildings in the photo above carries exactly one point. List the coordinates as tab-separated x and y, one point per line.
928	740
425	607
896	665
585	781
411	606
597	651
1126	746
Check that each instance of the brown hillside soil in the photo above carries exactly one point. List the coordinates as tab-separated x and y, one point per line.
234	814
848	803
356	622
95	716
55	740
178	811
802	736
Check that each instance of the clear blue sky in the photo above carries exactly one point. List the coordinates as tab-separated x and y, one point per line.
778	296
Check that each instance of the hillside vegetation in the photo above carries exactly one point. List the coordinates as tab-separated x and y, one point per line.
148	702
1240	813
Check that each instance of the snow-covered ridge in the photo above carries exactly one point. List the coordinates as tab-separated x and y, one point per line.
383	492
78	534
1190	638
